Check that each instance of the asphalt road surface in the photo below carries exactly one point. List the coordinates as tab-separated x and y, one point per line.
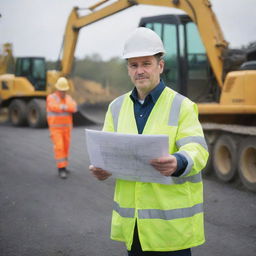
42	215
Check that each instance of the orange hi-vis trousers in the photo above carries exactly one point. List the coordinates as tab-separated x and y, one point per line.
59	118
61	142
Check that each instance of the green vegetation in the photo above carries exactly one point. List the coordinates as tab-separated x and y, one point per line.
111	73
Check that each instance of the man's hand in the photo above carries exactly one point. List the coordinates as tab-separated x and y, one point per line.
165	165
63	107
99	173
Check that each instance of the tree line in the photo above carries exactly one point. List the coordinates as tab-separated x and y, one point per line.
111	73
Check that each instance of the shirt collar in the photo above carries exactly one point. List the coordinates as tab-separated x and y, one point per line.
154	94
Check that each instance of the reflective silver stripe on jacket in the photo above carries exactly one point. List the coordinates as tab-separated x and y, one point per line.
61	160
170	214
115	110
194	178
192	139
182	179
159	214
55	97
175	110
190	163
60	125
58	113
124	212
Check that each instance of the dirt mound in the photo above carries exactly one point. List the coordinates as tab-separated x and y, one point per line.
91	92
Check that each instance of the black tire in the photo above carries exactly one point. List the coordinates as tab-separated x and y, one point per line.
247	163
36	113
224	158
18	112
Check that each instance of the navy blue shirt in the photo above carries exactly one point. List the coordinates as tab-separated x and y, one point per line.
142	112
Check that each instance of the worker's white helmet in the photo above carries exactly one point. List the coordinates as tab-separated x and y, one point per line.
62	84
143	42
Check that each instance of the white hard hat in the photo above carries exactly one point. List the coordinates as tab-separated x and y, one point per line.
143	42
62	84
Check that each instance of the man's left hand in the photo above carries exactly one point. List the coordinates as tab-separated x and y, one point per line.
166	165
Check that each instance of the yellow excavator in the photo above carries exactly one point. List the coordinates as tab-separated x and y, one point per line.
198	65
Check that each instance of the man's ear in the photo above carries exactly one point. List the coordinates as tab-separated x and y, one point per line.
161	64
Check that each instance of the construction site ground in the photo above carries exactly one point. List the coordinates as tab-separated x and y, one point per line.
43	215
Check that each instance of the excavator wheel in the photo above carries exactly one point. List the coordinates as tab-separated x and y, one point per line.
247	163
36	113
224	158
17	112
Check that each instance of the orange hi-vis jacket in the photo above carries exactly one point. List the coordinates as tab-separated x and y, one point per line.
59	117
59	111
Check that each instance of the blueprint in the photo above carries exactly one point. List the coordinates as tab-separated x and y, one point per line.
127	156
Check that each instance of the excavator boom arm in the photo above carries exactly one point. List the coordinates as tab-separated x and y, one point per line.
200	12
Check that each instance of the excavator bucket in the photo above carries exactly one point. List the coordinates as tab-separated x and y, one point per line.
92	100
90	114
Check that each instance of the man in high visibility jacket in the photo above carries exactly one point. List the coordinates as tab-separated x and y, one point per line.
151	218
60	107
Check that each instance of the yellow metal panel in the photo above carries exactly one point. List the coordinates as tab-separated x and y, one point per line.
216	108
239	88
250	87
233	89
8	80
19	87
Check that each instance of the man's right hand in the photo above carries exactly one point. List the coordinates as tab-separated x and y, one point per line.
99	173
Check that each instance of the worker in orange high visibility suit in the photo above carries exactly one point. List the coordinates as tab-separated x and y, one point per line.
60	107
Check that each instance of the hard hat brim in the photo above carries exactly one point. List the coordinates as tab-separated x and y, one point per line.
140	54
63	88
142	42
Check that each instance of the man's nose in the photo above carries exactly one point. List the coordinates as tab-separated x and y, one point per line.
140	69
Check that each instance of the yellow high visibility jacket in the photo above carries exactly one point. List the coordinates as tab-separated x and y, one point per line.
169	217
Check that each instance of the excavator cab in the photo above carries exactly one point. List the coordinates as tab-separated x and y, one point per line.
34	69
187	69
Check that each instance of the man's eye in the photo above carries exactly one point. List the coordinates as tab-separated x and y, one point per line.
133	66
147	64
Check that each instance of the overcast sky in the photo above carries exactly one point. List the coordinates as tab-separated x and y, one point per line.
36	27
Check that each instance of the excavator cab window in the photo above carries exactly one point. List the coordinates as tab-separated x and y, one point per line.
198	65
34	69
187	69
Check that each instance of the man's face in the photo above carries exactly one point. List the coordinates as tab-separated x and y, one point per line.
62	94
145	73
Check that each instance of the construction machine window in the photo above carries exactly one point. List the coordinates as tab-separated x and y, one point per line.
34	69
26	67
171	61
198	67
39	73
22	67
158	28
39	69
